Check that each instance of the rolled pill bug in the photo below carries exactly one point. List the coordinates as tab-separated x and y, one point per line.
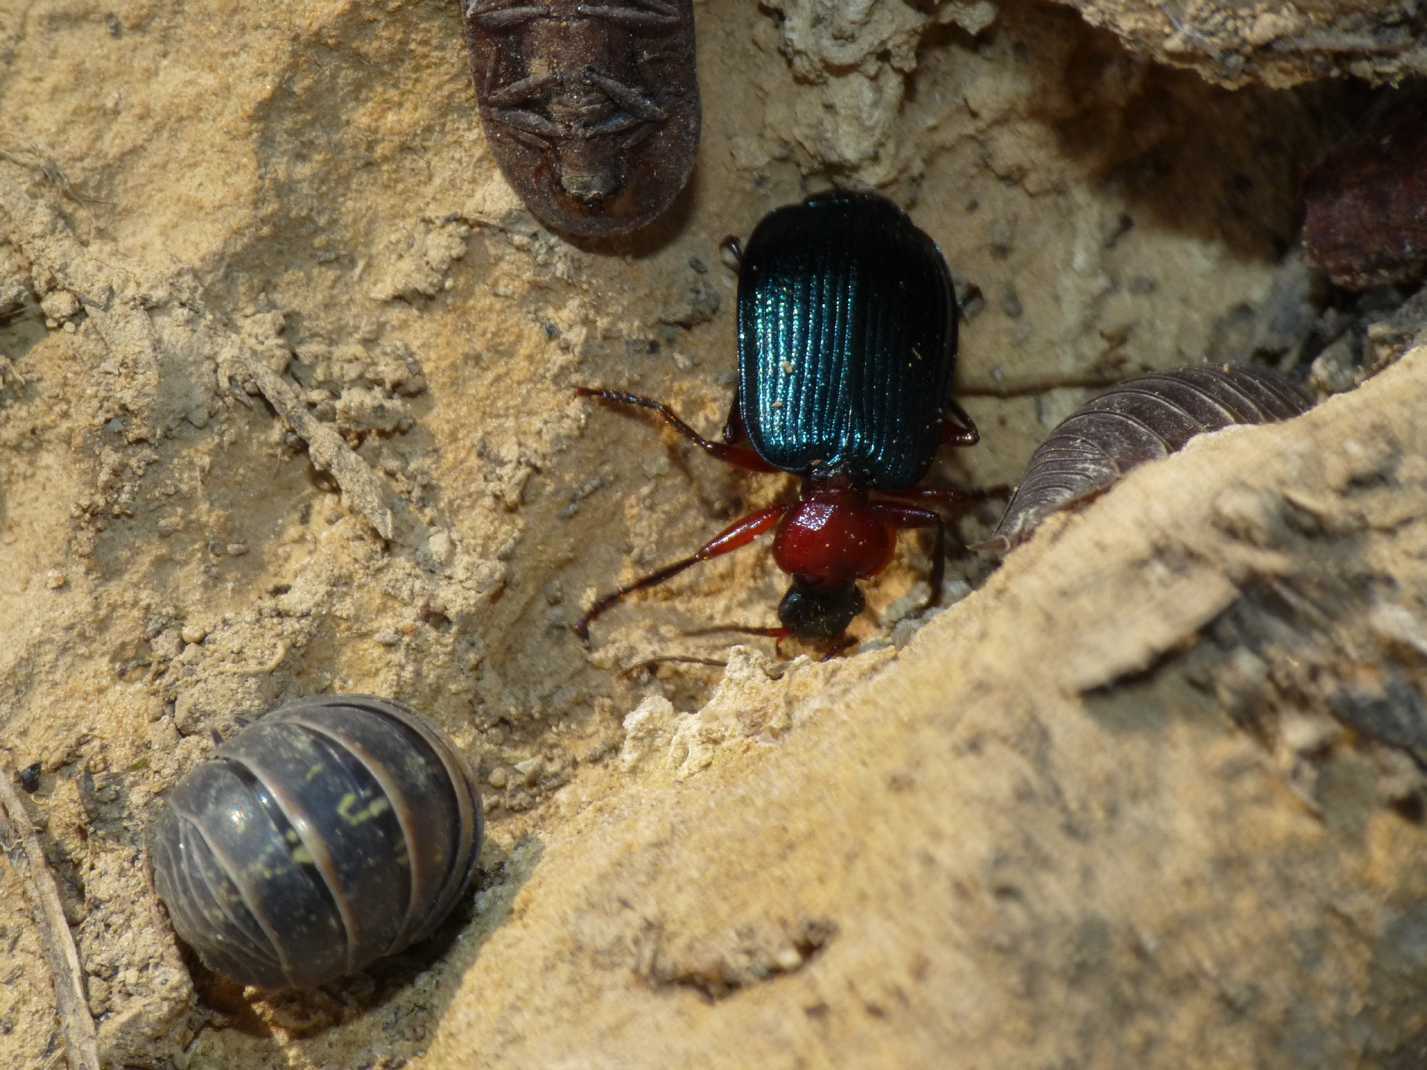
1139	420
330	833
591	108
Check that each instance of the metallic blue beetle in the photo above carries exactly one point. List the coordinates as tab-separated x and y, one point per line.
846	349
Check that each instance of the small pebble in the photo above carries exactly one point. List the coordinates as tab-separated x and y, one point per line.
498	777
788	959
55	579
98	995
58	306
29	777
193	634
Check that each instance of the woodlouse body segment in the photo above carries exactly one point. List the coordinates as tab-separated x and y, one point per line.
590	108
329	834
1140	420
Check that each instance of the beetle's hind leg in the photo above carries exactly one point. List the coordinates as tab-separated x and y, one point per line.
741	456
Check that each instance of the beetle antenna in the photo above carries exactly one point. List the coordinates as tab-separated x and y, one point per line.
582	626
777	634
740	533
740	629
672	659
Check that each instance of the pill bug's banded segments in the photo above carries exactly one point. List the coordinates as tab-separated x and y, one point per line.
591	107
332	832
1139	420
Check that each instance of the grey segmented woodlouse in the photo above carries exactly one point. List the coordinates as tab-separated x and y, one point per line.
1139	420
591	107
328	834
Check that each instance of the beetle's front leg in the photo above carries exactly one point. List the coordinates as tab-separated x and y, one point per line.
902	517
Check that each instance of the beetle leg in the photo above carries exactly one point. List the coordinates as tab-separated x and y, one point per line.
741	456
615	124
638	136
909	516
732	250
734	433
496	18
671	659
777	634
958	428
736	536
528	121
948	496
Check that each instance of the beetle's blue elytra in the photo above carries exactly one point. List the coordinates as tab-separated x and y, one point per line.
846	341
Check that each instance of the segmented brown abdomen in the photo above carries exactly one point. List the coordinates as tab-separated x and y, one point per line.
1139	420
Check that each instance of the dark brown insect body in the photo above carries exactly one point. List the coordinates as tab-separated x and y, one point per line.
332	832
1139	420
1366	220
591	107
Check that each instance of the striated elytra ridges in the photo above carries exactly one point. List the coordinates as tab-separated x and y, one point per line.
1139	420
330	833
846	341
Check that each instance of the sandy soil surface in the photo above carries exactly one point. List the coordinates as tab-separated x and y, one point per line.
286	408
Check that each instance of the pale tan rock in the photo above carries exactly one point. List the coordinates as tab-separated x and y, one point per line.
1000	852
1279	43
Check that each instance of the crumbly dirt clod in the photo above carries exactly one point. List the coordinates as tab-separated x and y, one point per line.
287	407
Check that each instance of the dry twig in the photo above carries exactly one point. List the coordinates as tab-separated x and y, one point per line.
33	159
361	487
81	1041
